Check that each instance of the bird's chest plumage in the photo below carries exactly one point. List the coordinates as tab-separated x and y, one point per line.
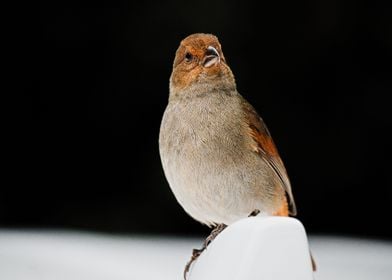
199	138
202	149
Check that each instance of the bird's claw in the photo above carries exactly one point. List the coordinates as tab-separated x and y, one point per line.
254	213
197	252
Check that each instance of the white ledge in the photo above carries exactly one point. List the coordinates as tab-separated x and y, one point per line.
257	248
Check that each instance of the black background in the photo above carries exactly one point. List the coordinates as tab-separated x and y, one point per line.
92	83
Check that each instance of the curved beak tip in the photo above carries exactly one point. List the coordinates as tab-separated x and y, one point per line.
212	51
212	57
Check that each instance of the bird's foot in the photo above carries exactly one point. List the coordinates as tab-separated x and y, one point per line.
197	252
214	233
254	213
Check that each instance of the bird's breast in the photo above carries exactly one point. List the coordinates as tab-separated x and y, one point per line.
203	131
204	154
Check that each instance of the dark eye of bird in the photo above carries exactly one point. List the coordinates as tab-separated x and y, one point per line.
188	57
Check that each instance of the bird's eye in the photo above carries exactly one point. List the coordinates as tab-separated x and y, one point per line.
188	57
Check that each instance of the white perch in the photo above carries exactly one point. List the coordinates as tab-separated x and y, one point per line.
257	248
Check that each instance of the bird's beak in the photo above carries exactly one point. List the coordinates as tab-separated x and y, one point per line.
211	58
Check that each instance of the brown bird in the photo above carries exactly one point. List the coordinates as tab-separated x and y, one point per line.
217	153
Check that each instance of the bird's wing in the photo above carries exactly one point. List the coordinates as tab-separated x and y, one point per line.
266	148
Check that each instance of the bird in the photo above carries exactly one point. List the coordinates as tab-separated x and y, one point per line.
217	153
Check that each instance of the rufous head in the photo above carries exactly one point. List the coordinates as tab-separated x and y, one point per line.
200	62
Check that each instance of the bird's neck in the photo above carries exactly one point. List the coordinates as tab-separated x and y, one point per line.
200	89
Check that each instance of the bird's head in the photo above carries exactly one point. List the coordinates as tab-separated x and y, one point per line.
200	63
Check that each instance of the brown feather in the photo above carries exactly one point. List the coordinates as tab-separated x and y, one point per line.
284	210
265	147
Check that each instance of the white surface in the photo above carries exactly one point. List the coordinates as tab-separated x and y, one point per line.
54	255
257	248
